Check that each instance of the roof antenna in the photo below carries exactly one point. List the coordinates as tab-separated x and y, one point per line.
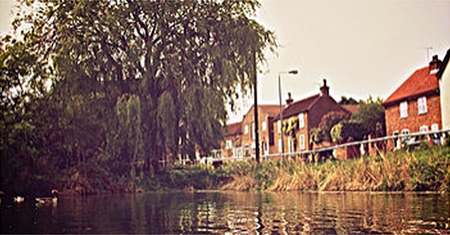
428	52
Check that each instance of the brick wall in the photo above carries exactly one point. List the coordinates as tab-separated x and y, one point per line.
414	120
263	135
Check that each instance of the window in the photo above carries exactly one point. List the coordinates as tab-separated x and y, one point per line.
395	133
302	142
246	151
404	109
405	132
279	126
301	120
422	105
424	128
264	126
435	127
246	129
253	131
229	144
279	145
290	147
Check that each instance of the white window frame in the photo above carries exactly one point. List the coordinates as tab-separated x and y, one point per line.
264	126
404	109
290	147
253	131
246	129
405	132
301	140
279	126
423	128
422	105
301	120
434	127
229	144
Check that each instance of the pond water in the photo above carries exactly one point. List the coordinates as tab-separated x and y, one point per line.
234	212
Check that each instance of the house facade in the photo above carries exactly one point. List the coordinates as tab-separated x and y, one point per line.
444	83
232	147
300	117
266	114
415	106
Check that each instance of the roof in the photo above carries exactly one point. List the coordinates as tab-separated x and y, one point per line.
443	65
300	106
271	110
234	129
352	108
419	82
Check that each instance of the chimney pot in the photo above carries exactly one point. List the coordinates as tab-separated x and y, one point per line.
434	65
289	99
325	90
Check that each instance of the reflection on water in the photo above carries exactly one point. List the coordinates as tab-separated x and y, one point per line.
232	212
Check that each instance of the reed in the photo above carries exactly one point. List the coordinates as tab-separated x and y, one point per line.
424	169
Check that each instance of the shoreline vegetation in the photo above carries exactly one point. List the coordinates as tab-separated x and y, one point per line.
423	169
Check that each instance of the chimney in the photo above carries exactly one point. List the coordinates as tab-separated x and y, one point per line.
289	99
435	63
324	90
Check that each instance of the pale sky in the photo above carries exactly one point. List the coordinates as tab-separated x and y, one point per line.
362	48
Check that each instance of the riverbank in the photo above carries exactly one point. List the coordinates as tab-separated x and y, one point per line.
423	169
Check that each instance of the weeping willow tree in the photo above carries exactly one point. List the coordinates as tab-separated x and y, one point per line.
130	83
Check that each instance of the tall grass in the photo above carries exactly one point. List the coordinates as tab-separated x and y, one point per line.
425	168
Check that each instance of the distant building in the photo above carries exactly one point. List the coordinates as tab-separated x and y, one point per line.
415	106
444	83
300	117
266	114
232	147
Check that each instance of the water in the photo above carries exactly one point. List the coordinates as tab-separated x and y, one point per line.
233	212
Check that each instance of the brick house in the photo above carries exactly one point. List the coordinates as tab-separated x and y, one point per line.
444	83
300	117
415	105
266	114
231	147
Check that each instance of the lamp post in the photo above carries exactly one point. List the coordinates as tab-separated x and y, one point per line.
281	108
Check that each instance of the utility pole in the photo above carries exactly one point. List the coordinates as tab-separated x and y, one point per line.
255	88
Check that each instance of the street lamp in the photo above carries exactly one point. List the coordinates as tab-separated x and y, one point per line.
294	72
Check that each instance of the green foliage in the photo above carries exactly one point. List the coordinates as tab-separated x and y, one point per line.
122	84
347	131
329	120
371	115
344	100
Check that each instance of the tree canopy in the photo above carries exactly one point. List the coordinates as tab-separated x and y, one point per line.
126	84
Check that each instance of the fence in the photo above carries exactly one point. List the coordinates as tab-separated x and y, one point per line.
437	137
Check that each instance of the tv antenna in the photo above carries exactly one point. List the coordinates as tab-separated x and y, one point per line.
428	52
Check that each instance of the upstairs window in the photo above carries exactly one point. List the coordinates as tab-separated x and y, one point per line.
422	105
301	120
404	109
246	129
253	131
279	126
264	126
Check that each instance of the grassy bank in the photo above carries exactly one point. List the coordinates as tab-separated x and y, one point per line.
424	169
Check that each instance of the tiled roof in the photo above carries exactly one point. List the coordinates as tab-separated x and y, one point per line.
272	110
300	106
352	108
419	82
234	129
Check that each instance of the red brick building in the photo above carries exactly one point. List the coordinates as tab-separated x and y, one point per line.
266	114
232	147
415	105
300	117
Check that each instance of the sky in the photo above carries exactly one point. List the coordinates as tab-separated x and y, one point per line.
362	48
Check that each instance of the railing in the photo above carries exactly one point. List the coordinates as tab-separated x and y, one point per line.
316	151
